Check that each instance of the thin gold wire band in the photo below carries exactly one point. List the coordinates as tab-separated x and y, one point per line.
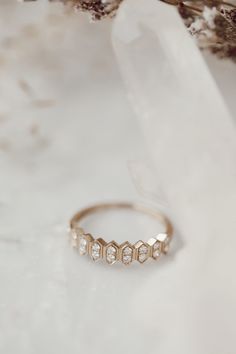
112	252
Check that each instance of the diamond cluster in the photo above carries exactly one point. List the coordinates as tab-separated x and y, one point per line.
126	253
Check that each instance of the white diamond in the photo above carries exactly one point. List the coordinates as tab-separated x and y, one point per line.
96	248
156	249
157	245
127	259
111	254
143	249
142	253
111	258
82	245
111	250
156	254
142	257
127	251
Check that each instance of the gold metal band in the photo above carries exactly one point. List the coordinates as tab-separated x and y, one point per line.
126	253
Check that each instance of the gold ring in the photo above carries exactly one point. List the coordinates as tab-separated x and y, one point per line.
126	253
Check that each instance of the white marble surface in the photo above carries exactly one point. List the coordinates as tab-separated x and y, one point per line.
68	137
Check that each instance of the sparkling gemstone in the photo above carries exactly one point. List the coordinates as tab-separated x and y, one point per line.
96	247
156	250
142	257
142	251
111	254
127	255
82	245
96	251
127	259
111	250
111	258
127	251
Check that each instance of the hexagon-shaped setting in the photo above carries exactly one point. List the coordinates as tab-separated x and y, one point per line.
156	248
142	251
83	243
165	240
96	249
112	252
74	234
127	253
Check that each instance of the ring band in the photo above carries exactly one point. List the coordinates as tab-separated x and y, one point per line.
126	253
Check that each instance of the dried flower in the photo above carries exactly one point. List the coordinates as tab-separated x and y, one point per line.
98	9
211	22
